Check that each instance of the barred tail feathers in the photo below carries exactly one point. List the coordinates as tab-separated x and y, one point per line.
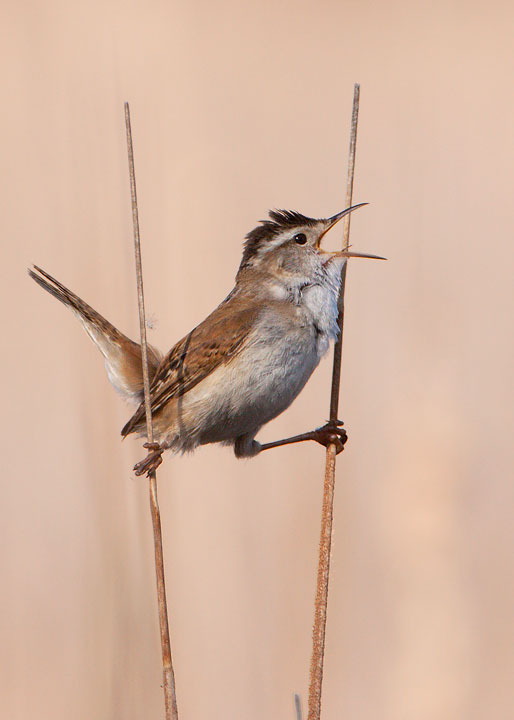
122	356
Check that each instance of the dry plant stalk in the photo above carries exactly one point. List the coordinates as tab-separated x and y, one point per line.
320	604
298	707
170	697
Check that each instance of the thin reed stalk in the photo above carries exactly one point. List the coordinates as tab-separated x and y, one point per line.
170	698
320	604
298	707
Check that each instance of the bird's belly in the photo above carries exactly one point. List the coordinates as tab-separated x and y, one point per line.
252	389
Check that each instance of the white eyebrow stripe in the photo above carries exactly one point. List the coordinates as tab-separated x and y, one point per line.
271	244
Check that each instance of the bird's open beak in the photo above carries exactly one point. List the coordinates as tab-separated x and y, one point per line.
347	253
343	253
335	218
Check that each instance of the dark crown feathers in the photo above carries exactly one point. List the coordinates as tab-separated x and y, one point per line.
268	229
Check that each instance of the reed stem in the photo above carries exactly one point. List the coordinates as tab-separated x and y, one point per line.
170	698
327	513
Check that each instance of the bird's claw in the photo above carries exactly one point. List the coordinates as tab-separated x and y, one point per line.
152	461
331	434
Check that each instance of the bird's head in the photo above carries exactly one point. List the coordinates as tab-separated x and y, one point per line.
289	244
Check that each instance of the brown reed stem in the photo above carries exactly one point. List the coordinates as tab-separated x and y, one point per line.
170	697
297	706
320	604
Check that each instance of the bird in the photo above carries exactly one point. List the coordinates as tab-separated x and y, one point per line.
248	360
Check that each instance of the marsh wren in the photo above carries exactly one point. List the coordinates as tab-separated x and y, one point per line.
248	360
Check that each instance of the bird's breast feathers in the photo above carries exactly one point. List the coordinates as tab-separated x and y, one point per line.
320	304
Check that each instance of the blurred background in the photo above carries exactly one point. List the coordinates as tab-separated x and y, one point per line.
237	108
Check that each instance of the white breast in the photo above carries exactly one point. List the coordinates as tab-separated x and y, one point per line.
320	304
257	385
270	370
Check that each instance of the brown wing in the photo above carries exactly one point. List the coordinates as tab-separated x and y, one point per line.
214	342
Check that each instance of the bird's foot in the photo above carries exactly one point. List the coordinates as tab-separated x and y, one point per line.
151	461
332	433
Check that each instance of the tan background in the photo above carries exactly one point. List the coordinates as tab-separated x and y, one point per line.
238	107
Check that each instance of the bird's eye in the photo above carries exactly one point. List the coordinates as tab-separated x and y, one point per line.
300	239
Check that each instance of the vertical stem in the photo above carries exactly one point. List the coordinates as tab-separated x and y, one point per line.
297	707
320	604
170	698
338	348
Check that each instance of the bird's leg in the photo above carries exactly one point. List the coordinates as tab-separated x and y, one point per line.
331	433
151	461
